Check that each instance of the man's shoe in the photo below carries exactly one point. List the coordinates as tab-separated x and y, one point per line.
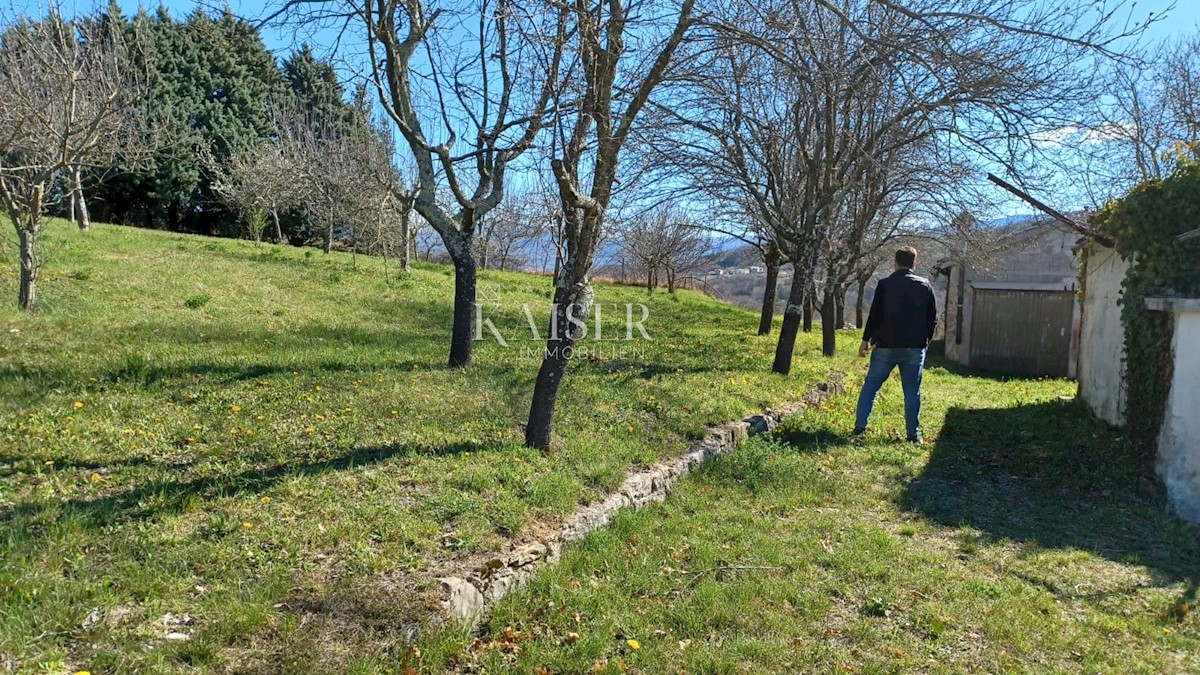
859	432
916	440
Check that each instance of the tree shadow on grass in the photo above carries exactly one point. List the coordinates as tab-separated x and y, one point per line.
1050	476
164	496
813	440
936	358
306	349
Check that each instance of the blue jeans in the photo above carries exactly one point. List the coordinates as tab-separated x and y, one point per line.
883	360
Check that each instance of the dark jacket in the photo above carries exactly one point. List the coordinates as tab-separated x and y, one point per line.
903	312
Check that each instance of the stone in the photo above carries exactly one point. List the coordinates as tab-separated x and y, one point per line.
463	601
468	600
526	554
638	487
592	517
506	581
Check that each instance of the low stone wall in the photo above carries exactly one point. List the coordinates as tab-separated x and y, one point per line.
468	598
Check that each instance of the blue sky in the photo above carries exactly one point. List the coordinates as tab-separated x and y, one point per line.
1182	20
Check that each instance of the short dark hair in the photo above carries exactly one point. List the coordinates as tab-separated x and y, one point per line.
906	257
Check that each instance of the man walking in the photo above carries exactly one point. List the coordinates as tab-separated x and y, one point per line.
901	324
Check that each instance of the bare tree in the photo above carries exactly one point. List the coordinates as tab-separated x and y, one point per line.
64	104
617	81
259	182
468	96
644	244
77	207
1144	118
513	227
664	241
802	99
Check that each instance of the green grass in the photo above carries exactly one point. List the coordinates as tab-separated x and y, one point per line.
1023	537
261	447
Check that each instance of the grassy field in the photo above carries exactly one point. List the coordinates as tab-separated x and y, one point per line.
1022	538
218	456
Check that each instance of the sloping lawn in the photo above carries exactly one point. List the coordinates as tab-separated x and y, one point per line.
1024	538
228	457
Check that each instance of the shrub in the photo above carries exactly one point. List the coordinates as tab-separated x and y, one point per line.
197	301
1144	226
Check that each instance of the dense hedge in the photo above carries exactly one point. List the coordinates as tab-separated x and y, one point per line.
1145	225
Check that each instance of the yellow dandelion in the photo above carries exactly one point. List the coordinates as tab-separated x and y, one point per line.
127	432
348	410
78	405
317	388
320	417
190	440
260	417
633	644
265	500
309	430
95	478
49	462
235	408
247	525
83	672
395	413
233	432
197	427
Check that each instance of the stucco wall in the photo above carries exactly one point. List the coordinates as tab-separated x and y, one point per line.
1179	439
1102	339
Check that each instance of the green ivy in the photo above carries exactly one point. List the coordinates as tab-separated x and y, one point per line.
1144	226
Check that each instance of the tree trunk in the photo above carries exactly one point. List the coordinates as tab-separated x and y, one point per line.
278	227
327	245
839	309
406	235
828	325
808	310
540	430
79	209
462	338
572	299
792	315
27	236
671	281
859	303
767	317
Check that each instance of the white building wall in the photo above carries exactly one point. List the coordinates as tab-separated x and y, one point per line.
1178	462
1102	338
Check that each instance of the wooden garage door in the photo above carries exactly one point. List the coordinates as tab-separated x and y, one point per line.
1022	332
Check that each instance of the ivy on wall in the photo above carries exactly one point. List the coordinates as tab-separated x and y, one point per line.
1144	226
